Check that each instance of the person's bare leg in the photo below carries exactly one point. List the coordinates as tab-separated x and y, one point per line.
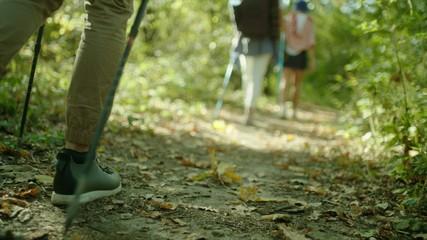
288	74
76	146
282	88
299	75
285	86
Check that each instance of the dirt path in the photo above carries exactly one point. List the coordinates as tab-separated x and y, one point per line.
276	179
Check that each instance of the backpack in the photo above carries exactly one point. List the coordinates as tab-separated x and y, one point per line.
257	18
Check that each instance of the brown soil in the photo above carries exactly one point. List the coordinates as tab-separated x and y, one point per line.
293	179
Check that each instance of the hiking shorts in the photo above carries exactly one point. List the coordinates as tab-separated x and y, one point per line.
296	62
102	43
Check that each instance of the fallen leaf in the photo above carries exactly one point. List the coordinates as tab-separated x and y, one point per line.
19	173
33	192
168	205
315	204
44	179
118	202
208	209
382	206
144	229
108	207
331	213
14	201
178	221
226	173
291	234
315	215
201	176
248	193
314	174
290	137
187	163
219	125
76	236
10	210
153	215
24	215
297	169
284	166
243	210
277	217
369	233
24	153
355	211
412	224
291	201
316	190
16	153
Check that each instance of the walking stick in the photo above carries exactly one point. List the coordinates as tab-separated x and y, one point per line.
227	76
281	62
30	84
73	207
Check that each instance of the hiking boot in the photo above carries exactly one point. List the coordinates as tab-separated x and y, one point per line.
295	115
282	112
101	182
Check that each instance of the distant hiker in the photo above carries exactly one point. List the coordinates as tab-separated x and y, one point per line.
300	40
258	25
100	50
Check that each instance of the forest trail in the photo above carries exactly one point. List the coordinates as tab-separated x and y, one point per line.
275	179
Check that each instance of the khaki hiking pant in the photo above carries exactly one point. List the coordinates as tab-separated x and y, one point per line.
98	56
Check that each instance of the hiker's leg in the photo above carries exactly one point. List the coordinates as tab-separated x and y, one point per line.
247	69
290	80
101	47
246	65
299	75
282	85
19	19
256	67
287	83
243	67
259	70
98	56
286	86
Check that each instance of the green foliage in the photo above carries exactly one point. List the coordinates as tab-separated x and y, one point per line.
387	76
335	47
175	63
60	40
182	48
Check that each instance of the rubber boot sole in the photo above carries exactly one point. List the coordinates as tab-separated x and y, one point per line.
60	199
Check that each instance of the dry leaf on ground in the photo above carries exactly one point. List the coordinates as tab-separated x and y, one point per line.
226	173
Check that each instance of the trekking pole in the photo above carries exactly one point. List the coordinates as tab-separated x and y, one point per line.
227	76
281	63
30	84
73	207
